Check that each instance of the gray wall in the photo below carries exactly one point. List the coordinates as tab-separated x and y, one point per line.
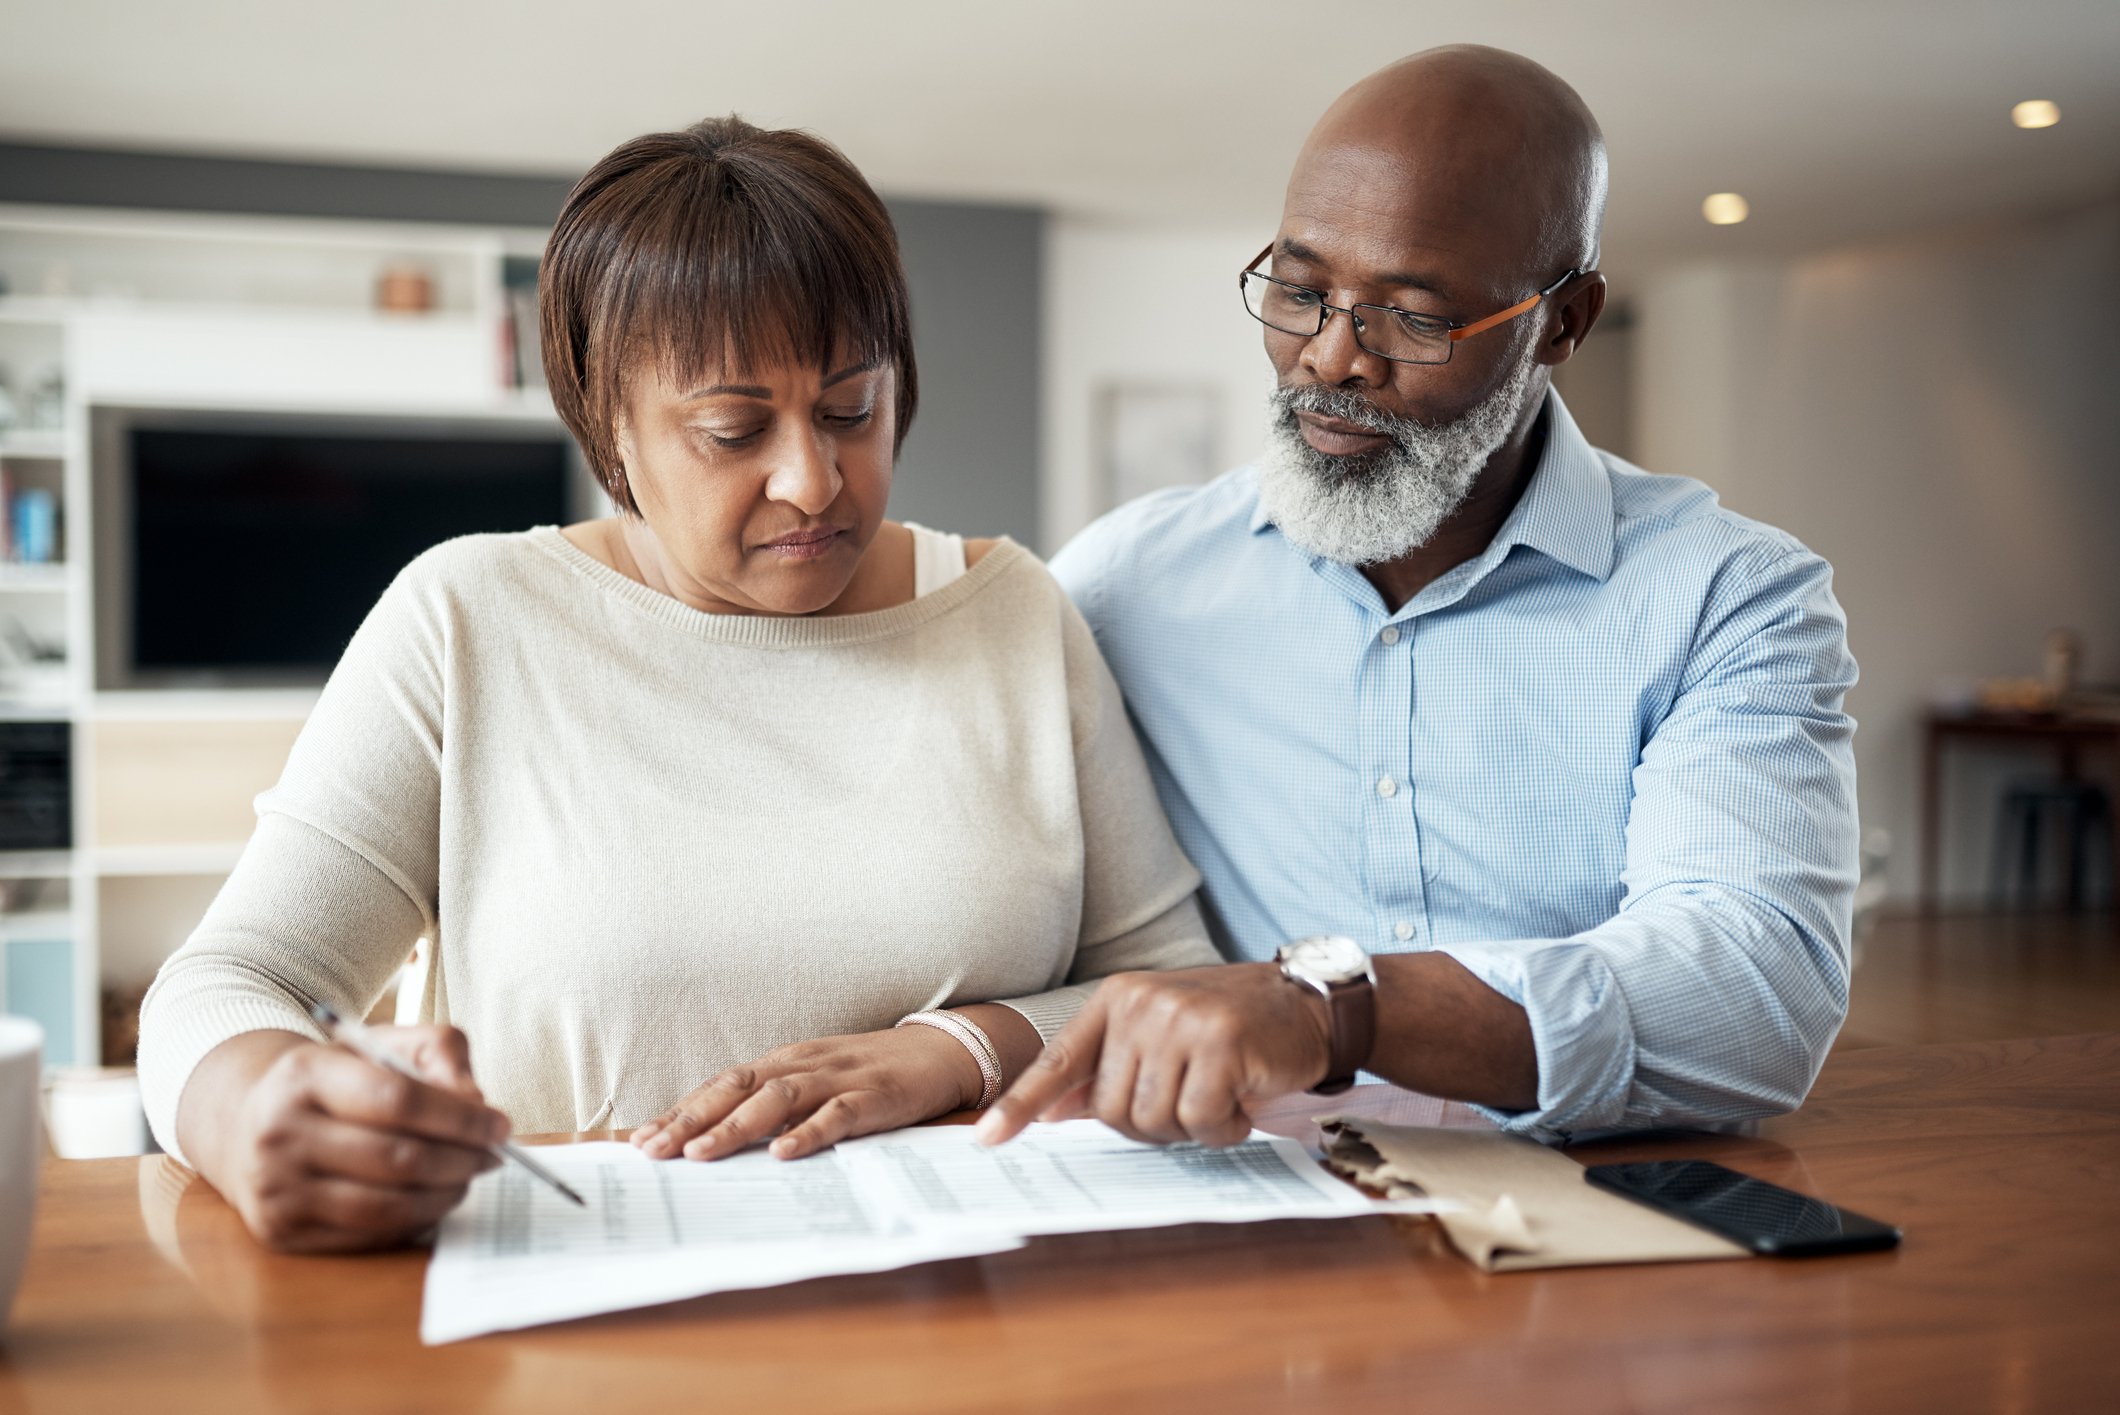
971	462
160	181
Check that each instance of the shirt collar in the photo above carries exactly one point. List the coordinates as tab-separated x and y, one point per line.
1566	511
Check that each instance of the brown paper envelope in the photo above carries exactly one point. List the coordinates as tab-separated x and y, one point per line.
1528	1207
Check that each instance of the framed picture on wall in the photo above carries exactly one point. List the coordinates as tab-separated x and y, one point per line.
1152	436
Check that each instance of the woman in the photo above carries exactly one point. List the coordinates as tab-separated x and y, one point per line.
693	804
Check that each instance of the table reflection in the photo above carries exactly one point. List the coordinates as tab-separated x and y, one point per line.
301	1315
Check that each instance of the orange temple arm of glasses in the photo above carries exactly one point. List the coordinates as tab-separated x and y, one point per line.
1493	319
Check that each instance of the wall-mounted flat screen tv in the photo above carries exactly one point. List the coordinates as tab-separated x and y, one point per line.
245	549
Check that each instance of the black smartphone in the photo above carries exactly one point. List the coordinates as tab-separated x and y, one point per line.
1763	1217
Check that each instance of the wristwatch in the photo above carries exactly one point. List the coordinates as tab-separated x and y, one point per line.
1339	971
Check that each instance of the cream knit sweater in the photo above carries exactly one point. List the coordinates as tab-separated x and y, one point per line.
646	843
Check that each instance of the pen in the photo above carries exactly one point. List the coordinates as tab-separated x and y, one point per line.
355	1035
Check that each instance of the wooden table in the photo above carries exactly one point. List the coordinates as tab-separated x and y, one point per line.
2066	736
2000	1159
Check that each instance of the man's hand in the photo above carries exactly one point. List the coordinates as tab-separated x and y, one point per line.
1186	1056
1175	1056
323	1151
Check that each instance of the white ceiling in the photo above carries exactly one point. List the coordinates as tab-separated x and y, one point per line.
1838	120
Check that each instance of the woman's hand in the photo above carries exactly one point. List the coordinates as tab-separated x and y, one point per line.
822	1092
323	1151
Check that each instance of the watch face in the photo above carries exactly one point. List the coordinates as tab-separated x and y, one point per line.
1329	958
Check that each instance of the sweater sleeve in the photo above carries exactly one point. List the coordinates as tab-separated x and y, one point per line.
339	882
301	918
1139	910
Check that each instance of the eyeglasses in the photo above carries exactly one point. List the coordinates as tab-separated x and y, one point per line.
1398	335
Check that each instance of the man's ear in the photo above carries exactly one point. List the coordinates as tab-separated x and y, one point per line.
1570	320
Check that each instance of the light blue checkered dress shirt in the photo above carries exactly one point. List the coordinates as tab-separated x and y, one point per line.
1603	765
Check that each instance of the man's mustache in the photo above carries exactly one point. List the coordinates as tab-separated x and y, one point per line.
1345	404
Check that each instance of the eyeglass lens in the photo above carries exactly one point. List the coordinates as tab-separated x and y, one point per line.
1387	333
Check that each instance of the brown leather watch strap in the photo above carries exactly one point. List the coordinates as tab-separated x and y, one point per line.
1353	1009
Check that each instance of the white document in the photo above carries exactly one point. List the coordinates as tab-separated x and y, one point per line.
1080	1176
515	1254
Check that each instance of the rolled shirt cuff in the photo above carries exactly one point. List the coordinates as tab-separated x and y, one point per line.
1581	1029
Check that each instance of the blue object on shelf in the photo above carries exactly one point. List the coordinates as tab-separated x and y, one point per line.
36	526
40	985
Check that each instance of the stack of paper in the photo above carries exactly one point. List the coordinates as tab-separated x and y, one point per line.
515	1254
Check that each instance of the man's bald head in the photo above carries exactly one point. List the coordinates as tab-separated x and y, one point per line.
1491	143
1463	185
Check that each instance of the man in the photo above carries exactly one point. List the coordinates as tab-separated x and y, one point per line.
1557	743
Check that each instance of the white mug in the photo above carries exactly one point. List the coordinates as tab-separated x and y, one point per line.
93	1112
21	1146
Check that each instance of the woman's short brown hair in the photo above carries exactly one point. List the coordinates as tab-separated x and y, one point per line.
725	245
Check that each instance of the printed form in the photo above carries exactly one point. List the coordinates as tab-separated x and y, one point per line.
515	1254
1081	1176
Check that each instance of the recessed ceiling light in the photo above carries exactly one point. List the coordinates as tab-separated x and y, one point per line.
2036	113
1725	208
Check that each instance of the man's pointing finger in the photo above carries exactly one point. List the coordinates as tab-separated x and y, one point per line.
1068	1063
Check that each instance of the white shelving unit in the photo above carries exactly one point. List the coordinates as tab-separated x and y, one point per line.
159	310
32	445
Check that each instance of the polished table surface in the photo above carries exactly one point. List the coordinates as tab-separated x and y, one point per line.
2000	1159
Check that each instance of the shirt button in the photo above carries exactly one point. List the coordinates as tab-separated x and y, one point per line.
1387	787
1403	929
1390	634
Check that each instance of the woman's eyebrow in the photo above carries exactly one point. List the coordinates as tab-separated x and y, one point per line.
764	394
848	372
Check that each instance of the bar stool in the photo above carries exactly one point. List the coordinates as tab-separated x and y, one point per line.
2082	806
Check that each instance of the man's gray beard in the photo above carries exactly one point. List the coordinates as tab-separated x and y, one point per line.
1364	510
